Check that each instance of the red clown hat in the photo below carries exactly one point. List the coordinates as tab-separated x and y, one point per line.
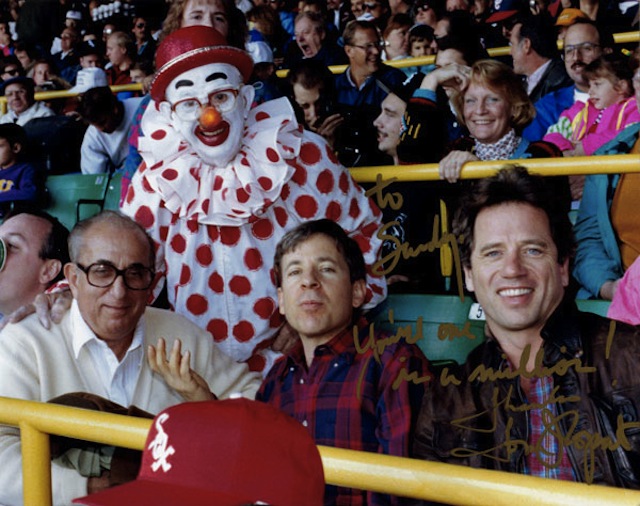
191	47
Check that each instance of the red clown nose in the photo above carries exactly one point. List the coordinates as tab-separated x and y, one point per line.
209	118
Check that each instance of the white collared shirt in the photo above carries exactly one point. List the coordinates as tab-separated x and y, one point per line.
534	79
118	379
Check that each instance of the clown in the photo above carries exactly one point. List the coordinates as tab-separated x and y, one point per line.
221	183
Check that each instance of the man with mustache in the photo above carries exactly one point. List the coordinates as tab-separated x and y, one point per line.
584	42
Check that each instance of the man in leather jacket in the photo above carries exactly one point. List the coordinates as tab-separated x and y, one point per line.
552	392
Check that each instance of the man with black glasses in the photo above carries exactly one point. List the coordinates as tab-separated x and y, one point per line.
100	347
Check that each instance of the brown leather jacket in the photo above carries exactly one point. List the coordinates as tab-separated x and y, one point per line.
483	421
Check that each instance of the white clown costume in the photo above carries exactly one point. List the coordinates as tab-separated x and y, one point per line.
216	227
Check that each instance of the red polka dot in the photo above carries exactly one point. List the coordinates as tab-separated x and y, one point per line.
164	232
300	175
368	295
185	275
330	153
264	307
334	211
158	135
144	217
343	182
216	283
229	235
253	259
244	162
143	166
205	206
265	183
197	304
242	195
262	116
273	155
310	153
354	209
325	181
204	256
178	244
170	174
262	229
240	285
363	242
276	320
146	186
284	194
218	329
192	225
131	194
217	183
256	363
306	206
281	216
369	230
243	331
213	233
377	289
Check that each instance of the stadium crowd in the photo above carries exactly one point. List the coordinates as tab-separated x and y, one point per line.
237	205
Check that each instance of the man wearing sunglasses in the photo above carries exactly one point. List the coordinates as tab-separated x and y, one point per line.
101	347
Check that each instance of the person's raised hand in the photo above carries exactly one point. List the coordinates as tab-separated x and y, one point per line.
50	307
176	371
450	166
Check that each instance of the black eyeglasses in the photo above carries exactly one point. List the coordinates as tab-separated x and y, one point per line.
370	7
370	47
140	25
103	275
12	72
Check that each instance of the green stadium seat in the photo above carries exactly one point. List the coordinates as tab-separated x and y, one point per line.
447	332
112	198
596	306
74	197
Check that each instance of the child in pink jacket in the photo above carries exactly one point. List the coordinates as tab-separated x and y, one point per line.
611	107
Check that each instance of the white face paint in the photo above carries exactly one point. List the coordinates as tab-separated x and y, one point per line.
219	142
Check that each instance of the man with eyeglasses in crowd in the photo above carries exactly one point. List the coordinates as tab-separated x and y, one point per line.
360	91
584	42
109	344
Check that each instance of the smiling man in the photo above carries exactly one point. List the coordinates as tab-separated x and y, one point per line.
548	377
337	382
100	347
20	94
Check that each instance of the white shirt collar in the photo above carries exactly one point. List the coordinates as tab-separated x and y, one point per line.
534	79
82	333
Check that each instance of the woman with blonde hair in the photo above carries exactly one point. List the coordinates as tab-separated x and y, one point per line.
494	106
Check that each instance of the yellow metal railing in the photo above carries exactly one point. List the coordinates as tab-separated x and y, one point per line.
380	473
608	164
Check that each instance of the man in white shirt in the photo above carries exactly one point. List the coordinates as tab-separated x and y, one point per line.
105	147
20	93
100	347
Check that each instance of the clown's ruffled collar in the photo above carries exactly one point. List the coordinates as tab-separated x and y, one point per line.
229	195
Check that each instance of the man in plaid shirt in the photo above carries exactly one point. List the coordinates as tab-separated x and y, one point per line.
346	386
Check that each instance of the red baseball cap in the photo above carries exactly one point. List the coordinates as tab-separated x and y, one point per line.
223	453
191	47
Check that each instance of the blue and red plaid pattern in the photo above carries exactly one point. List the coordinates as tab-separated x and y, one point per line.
544	461
348	399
